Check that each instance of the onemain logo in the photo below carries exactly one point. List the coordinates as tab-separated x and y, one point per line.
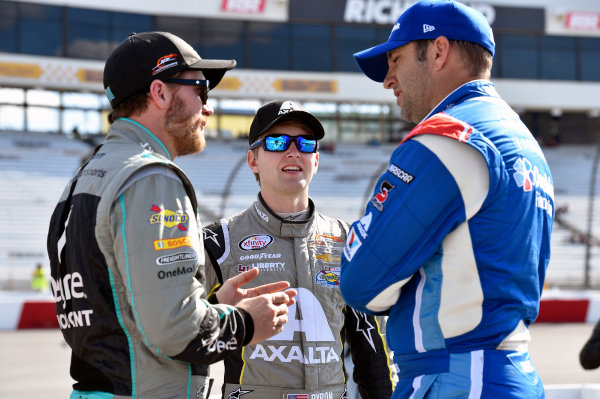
386	12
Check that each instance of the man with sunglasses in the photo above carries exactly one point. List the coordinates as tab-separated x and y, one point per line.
284	237
458	239
124	243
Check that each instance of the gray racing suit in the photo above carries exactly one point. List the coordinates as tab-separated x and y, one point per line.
306	358
125	249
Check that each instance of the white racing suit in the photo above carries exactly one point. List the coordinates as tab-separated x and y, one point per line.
305	360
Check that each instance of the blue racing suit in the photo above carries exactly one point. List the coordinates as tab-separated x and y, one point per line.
456	242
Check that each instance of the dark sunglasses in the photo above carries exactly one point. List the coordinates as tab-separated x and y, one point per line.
279	142
202	86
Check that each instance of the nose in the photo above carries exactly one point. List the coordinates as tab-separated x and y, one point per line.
207	110
390	80
293	150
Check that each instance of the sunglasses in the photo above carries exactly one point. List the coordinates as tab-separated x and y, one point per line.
202	86
279	142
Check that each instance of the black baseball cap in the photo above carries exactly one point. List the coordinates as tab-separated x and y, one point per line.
276	112
143	57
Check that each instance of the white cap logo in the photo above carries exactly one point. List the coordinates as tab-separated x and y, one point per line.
288	106
428	28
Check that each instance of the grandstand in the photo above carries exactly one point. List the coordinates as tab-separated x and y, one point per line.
34	169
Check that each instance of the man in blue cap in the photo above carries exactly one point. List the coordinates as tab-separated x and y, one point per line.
456	238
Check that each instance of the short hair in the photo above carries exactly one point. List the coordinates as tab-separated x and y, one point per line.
130	106
133	105
478	59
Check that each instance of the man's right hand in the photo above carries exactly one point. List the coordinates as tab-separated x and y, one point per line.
269	313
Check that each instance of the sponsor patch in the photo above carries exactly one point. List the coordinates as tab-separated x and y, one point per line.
260	256
352	244
261	214
328	277
263	266
172	243
178	257
296	396
179	271
323	238
255	242
384	191
168	218
165	62
401	173
328	258
363	224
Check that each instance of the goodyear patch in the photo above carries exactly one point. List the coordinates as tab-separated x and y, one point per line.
168	218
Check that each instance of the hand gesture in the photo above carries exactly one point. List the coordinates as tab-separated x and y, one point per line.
231	292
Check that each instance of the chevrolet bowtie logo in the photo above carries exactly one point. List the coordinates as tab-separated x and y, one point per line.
326	257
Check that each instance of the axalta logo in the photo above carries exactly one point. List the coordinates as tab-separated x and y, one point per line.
172	243
315	328
386	12
289	353
255	242
165	62
168	218
261	214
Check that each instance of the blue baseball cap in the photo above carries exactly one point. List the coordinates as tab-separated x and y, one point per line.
428	19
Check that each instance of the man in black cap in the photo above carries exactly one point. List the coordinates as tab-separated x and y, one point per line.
124	242
283	236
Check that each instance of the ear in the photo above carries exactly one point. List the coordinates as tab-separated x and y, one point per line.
439	52
316	161
252	162
159	94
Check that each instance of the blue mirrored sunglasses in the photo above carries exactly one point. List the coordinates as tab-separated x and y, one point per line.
279	142
202	86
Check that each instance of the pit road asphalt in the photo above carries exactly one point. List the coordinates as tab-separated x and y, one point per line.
35	363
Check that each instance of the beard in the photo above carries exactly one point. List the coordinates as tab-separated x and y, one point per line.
185	127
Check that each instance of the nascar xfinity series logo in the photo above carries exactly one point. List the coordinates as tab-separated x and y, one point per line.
255	242
168	218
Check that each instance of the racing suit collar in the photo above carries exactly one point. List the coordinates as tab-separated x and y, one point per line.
474	88
137	132
280	227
